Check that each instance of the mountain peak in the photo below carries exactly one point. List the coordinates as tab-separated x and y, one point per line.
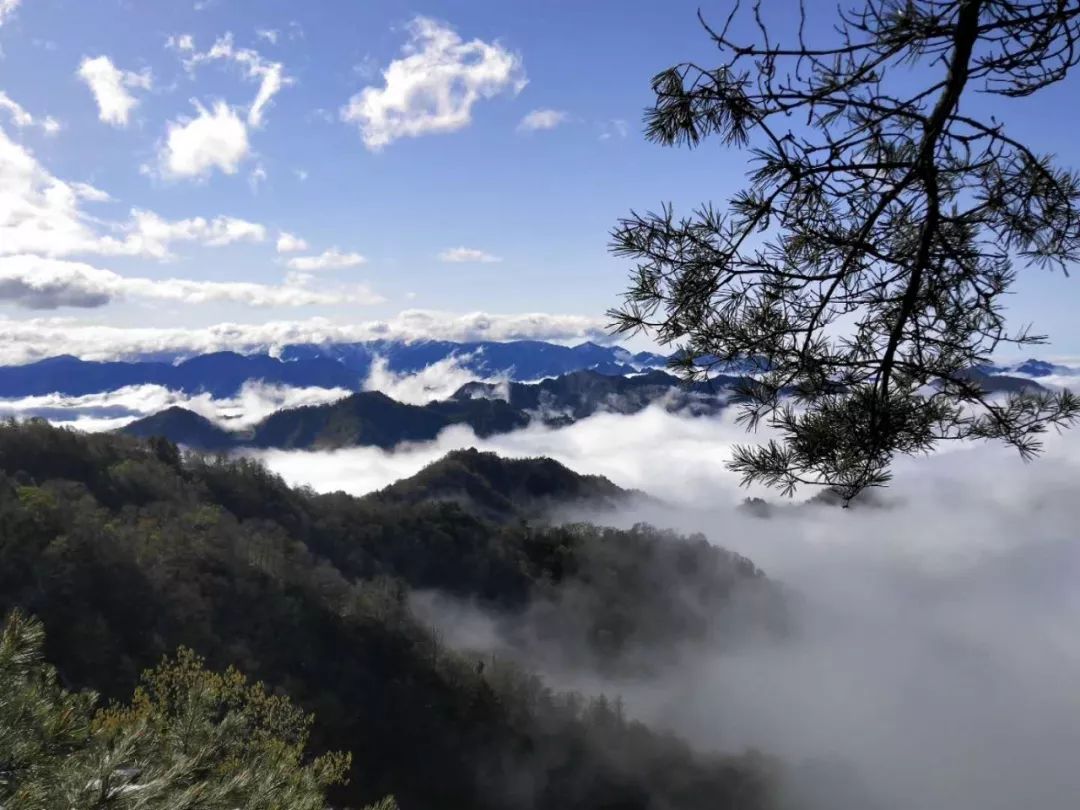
182	426
499	488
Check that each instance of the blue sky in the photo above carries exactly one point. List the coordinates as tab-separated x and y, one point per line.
227	123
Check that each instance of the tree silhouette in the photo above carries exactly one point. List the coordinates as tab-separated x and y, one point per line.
861	273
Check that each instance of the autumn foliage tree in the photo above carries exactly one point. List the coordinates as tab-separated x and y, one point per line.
861	272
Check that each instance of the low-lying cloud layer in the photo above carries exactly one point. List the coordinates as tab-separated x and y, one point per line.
256	400
23	341
437	381
935	656
936	651
671	457
114	409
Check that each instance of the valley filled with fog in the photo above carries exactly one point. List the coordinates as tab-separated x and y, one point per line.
930	659
934	651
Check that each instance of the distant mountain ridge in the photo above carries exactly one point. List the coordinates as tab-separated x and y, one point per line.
340	365
582	393
348	366
517	360
220	374
372	419
1031	368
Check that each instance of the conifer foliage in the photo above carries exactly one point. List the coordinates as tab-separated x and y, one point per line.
863	269
190	738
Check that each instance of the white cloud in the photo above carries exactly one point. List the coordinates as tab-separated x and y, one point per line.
270	75
460	255
436	381
301	174
7	8
272	82
289	243
22	341
213	139
297	278
22	119
680	459
19	116
181	42
542	119
218	138
938	629
332	259
42	214
615	128
151	235
39	212
114	409
36	282
433	86
111	88
43	221
257	177
85	191
367	68
269	34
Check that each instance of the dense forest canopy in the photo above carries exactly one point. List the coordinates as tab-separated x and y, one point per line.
127	550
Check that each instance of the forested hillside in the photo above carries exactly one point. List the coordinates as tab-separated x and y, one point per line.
125	550
503	489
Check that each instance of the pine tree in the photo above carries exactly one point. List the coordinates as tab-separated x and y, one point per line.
861	273
190	738
42	725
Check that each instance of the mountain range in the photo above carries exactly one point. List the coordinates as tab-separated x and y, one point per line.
578	395
348	365
574	382
341	365
1032	368
517	360
371	418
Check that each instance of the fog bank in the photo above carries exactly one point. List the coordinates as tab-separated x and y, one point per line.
679	458
110	410
937	650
